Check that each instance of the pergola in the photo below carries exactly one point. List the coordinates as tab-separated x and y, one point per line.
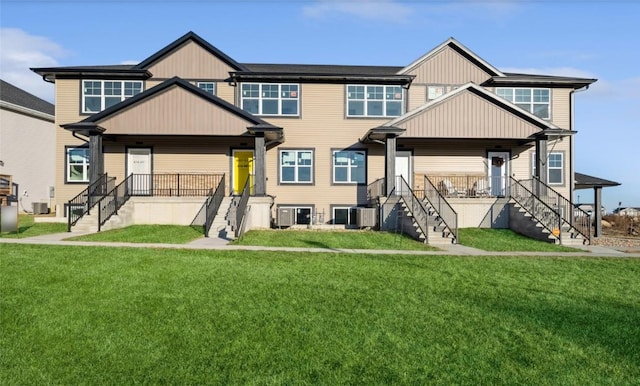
583	181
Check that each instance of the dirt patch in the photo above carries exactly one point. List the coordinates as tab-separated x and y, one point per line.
623	234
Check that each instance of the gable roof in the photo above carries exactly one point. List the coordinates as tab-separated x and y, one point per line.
175	81
463	126
528	80
17	96
461	49
189	36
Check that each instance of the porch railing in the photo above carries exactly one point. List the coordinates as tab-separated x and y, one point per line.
442	207
418	211
109	204
212	205
82	204
174	184
470	185
571	216
241	208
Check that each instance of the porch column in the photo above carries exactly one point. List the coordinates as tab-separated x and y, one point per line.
259	165
96	157
390	163
597	208
541	159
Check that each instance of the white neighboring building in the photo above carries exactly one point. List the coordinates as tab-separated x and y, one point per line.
631	212
27	145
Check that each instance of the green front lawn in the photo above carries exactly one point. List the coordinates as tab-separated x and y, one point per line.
27	227
347	239
165	234
96	315
506	240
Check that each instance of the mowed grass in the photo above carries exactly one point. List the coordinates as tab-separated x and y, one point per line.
165	234
506	240
95	315
27	227
347	239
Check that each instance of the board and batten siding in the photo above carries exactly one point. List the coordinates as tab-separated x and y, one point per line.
175	111
466	115
448	66
190	61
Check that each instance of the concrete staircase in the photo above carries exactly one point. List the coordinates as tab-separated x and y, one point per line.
223	223
89	223
522	221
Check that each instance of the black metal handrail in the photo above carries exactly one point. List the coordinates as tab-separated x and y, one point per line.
112	201
418	211
441	206
539	209
574	217
81	204
212	205
242	207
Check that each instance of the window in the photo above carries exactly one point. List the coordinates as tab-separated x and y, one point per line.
270	98
537	101
77	164
349	166
209	87
296	166
434	92
555	168
98	95
346	215
374	101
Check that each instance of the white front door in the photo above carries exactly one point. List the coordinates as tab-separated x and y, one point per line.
498	172
403	168
139	164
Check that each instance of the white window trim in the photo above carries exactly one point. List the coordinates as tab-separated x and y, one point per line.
200	84
296	181
85	165
349	167
103	96
280	98
384	101
561	168
532	103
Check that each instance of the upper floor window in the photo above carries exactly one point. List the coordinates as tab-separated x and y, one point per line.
374	101
77	164
537	101
349	166
270	98
98	95
209	87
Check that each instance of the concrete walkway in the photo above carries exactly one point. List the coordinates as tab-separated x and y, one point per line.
221	244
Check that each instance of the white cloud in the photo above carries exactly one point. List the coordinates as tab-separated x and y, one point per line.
20	51
130	62
386	10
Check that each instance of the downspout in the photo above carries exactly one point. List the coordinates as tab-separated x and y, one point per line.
571	141
75	135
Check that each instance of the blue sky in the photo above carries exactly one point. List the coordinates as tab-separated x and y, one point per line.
599	39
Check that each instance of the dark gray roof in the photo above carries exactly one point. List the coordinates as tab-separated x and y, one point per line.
584	181
17	96
515	79
322	69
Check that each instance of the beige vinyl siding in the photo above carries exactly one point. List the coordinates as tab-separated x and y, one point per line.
322	126
150	83
448	67
68	94
226	92
190	61
467	115
417	96
560	112
176	111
